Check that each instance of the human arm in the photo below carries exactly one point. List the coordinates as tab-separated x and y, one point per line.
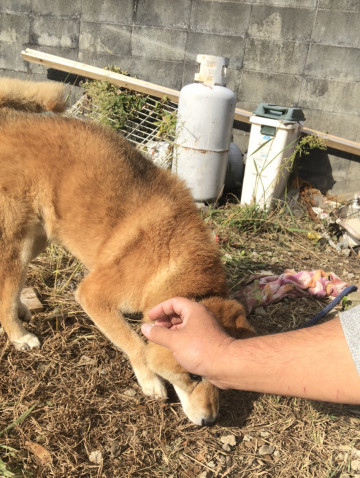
313	363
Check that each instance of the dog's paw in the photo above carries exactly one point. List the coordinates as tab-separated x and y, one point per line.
27	342
153	386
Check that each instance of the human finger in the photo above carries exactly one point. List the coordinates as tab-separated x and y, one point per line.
174	307
157	334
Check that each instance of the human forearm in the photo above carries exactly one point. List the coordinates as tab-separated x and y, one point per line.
312	363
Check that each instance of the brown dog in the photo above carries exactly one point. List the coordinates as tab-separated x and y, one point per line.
134	226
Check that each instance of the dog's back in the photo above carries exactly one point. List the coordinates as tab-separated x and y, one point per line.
97	195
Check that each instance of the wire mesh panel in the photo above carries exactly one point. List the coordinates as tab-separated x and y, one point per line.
142	126
149	127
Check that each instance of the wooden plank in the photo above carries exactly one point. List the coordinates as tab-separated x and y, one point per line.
242	115
158	91
335	142
30	299
95	73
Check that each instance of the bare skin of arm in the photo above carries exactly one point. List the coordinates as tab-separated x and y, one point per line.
313	363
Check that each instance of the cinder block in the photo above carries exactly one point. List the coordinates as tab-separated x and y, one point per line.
190	68
63	9
14	28
281	23
158	43
163	13
275	56
165	73
113	39
350	5
333	27
220	17
10	58
15	6
345	171
331	96
232	47
20	75
49	31
233	79
108	11
280	89
233	75
342	125
101	59
332	62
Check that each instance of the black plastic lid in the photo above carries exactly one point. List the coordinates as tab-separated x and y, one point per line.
283	113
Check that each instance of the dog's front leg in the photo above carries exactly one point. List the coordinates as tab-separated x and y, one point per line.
101	302
11	308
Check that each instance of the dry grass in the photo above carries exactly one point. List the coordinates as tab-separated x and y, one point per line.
90	418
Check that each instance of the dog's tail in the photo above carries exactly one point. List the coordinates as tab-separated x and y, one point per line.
32	96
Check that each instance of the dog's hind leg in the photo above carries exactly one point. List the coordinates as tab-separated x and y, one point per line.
99	296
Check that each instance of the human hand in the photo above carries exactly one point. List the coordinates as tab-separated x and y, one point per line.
193	335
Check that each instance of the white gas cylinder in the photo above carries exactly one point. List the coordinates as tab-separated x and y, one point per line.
203	130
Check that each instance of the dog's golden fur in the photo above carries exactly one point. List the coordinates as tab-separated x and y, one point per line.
31	96
134	226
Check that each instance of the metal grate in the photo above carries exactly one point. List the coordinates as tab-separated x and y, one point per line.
141	129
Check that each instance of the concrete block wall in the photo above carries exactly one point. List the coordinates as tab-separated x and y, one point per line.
302	53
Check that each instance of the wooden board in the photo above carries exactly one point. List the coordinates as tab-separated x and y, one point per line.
95	73
158	91
335	142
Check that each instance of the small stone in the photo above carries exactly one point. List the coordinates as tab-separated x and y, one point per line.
222	460
96	457
228	440
211	464
260	311
264	434
247	438
355	453
85	360
266	450
276	453
355	465
226	447
130	392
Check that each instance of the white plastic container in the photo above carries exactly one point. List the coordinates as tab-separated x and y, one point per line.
271	143
203	130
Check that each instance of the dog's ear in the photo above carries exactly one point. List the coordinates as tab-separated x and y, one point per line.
231	315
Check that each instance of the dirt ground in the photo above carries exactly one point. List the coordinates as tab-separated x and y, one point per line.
74	409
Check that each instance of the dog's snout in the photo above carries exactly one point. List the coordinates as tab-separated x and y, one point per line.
208	422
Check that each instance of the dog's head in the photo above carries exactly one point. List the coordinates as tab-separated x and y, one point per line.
231	315
199	397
